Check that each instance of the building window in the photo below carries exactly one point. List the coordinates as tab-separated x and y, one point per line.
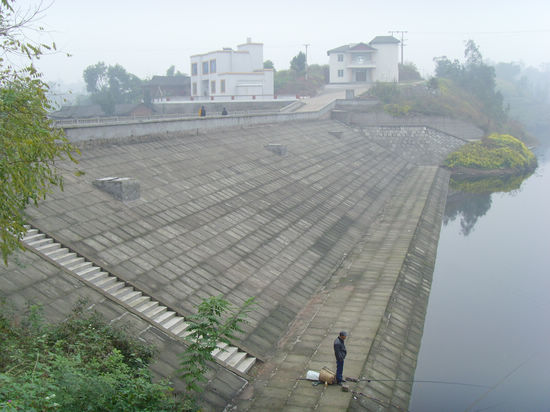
222	86
213	66
205	68
340	57
213	86
361	59
194	88
194	70
340	73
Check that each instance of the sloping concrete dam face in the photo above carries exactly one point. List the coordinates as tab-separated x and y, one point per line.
221	214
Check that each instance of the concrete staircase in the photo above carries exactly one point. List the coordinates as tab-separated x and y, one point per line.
118	290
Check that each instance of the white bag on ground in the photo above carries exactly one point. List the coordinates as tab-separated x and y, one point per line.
312	375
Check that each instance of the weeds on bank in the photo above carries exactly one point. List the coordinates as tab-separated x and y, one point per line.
81	363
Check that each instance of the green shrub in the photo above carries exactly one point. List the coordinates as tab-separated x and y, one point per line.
397	110
497	151
81	363
386	92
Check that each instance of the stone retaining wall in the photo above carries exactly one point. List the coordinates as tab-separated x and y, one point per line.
454	127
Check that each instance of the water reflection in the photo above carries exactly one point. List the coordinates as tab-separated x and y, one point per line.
470	197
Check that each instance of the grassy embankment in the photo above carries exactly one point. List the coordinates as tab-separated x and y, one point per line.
497	154
443	97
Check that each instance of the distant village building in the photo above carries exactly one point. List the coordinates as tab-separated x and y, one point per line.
376	61
231	74
167	88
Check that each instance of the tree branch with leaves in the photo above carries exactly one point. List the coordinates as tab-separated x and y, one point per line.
217	321
30	147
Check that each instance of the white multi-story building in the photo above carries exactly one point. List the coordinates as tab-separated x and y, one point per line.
231	74
365	63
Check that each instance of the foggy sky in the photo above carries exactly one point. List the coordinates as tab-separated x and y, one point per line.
146	37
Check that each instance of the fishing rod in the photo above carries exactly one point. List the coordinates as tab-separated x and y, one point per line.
348	379
419	381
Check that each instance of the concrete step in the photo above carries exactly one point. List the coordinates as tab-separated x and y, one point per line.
172	323
54	254
88	271
70	262
48	247
113	288
185	333
245	365
236	358
61	259
82	264
129	298
123	292
40	242
220	347
94	277
146	304
179	329
30	231
226	353
105	282
164	316
154	311
30	237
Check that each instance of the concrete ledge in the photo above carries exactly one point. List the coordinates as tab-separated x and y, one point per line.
82	133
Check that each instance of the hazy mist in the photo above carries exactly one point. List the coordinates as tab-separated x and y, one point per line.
147	37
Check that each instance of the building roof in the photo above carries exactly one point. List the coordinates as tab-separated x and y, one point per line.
169	81
340	49
351	48
361	47
384	39
78	112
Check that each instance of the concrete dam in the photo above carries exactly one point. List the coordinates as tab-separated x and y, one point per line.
329	223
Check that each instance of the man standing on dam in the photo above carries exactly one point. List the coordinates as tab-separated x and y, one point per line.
340	354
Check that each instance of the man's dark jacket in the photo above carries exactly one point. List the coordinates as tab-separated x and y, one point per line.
339	349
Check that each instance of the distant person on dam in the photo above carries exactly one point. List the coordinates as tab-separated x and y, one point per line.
340	354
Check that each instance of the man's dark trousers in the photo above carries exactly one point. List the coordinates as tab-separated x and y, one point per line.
339	370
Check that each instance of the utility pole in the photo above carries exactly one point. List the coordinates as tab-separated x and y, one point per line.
306	46
402	40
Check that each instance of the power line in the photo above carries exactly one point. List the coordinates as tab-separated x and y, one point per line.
483	32
306	46
402	40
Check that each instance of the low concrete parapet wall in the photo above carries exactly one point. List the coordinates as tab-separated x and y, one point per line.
83	133
192	107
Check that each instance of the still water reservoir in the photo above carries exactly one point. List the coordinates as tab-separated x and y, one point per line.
487	330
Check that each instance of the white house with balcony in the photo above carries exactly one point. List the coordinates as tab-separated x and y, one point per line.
229	74
376	61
